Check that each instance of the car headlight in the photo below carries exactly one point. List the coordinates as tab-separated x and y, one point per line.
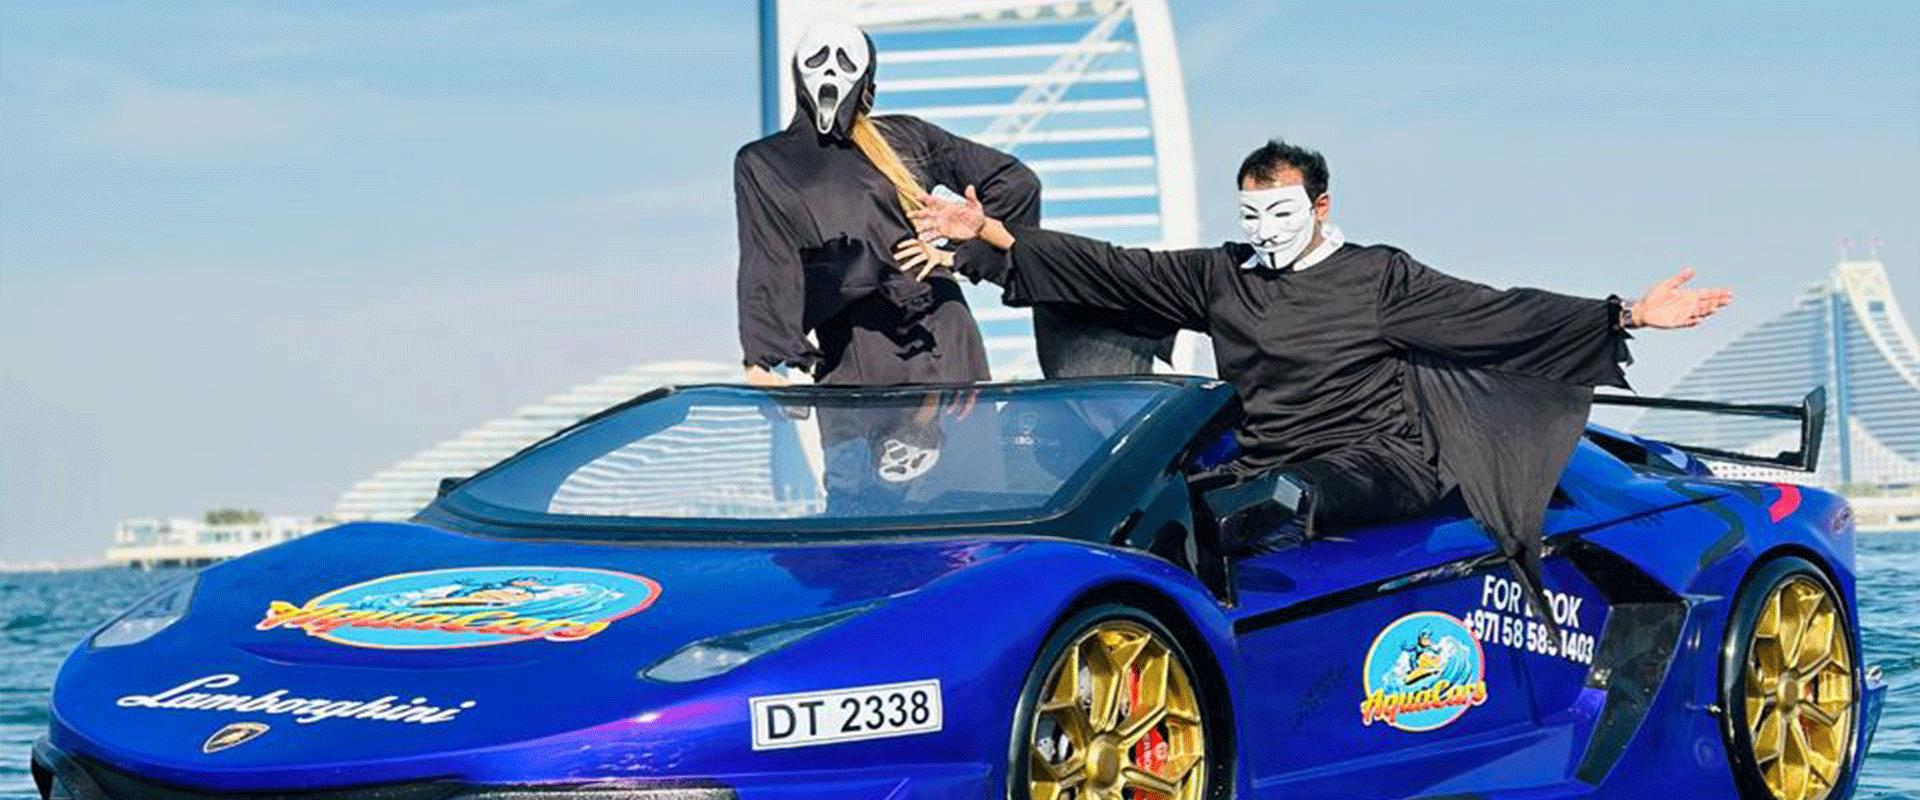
149	616
709	657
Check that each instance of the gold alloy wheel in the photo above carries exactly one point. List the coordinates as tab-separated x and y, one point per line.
1799	691
1117	720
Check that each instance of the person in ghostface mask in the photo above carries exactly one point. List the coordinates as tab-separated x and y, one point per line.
1372	384
822	214
822	223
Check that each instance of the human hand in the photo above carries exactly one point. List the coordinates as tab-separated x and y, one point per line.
1669	304
911	254
960	404
958	221
765	378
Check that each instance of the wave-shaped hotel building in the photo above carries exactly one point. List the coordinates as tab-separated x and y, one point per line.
1846	333
406	487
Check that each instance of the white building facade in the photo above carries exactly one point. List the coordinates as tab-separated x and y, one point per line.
177	542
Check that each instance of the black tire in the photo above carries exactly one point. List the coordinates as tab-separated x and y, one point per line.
1758	774
1071	630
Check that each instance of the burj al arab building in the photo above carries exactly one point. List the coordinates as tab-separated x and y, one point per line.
1088	94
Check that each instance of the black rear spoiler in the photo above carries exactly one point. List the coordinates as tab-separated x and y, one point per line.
1811	414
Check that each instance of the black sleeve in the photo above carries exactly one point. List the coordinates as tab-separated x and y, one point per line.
1008	190
771	286
1053	267
1526	331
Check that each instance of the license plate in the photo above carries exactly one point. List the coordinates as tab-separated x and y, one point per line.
845	715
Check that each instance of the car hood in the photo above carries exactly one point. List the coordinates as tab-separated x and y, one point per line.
384	642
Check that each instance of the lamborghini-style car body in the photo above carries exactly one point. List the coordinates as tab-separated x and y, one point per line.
983	592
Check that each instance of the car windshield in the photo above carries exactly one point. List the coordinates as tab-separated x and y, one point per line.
732	453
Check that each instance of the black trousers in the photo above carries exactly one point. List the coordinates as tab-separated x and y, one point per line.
1369	483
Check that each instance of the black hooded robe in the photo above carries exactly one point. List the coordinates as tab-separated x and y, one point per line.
818	222
1378	381
817	226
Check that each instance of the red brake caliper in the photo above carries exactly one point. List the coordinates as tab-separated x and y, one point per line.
1150	753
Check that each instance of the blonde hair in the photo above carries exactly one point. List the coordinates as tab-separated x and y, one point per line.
866	136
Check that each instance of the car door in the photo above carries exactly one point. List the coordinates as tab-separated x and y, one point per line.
1387	662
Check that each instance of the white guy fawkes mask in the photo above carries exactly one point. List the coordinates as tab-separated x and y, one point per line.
830	59
1278	222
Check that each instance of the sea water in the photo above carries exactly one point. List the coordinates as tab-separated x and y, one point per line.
42	616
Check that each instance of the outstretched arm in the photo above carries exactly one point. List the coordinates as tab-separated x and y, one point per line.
1530	331
1051	267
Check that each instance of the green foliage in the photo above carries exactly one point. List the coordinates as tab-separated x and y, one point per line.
232	516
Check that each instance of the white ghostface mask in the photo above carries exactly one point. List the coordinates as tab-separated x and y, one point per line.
830	60
1278	222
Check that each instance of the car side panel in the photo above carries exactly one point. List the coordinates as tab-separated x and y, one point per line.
1708	549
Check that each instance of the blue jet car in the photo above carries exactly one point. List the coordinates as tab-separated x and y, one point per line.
993	591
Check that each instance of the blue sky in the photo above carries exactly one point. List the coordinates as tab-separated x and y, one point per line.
252	252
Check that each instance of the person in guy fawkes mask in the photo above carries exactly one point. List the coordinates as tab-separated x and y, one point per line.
1371	383
822	213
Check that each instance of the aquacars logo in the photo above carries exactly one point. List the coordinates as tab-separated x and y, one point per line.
468	607
1423	671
